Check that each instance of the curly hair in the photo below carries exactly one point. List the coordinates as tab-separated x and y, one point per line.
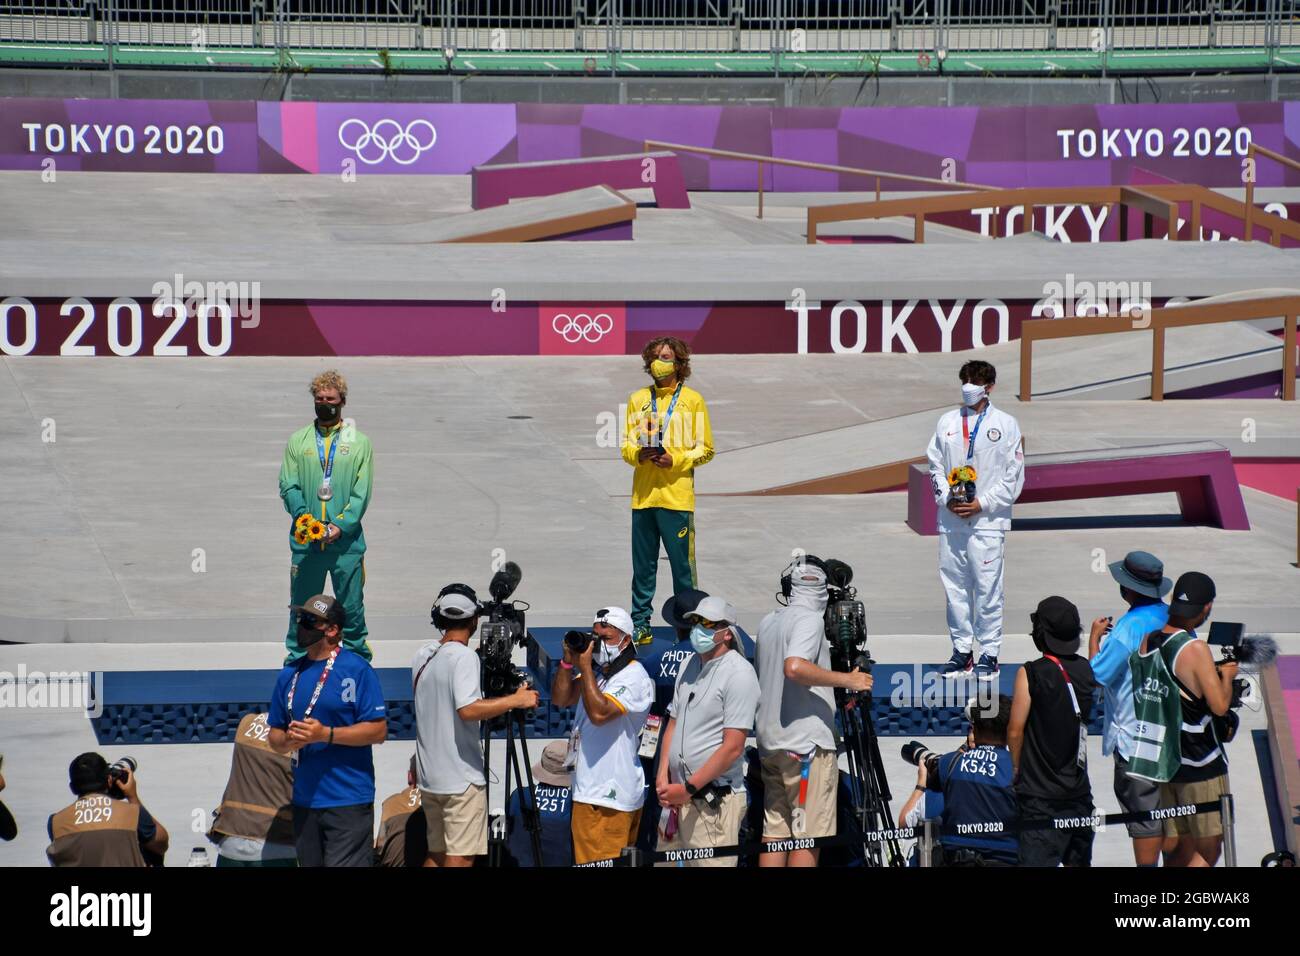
681	351
330	378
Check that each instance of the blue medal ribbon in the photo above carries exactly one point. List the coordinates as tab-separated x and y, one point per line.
970	448
668	416
326	466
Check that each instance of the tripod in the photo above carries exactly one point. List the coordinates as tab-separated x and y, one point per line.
523	779
868	785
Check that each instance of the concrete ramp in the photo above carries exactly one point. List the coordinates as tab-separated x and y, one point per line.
591	213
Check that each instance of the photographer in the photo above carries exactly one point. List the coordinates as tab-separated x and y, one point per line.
613	694
107	825
402	840
254	824
1142	585
1049	738
701	776
795	723
449	711
980	812
1178	690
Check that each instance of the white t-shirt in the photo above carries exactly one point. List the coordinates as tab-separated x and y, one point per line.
608	771
448	750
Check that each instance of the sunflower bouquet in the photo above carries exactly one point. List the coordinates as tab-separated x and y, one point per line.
962	482
308	529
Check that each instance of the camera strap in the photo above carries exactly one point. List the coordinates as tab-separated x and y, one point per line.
1081	757
420	673
625	657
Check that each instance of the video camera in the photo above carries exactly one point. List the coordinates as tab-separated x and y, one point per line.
501	630
1252	651
846	620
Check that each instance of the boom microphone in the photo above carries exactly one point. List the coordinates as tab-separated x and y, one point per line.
1258	650
505	581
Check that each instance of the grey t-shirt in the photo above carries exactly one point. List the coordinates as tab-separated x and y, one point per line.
708	699
448	751
792	717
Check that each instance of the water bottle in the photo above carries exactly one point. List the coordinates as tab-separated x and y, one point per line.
199	857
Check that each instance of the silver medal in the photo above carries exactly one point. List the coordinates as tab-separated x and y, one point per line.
325	492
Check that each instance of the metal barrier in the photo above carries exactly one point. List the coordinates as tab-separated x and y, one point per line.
878	174
662	26
925	833
1158	321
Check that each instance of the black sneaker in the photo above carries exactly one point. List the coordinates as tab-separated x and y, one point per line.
958	665
987	668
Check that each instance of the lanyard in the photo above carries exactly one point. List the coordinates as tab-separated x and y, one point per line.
1069	685
315	695
965	425
326	466
654	410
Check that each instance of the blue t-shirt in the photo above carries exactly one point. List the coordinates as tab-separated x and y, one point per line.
554	807
979	803
1111	669
331	776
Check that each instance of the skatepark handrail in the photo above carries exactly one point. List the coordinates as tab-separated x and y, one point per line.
879	174
1158	320
1159	201
1253	150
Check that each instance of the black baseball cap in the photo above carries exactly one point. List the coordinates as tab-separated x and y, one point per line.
1192	591
1056	625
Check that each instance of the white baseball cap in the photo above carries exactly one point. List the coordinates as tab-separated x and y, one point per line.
715	609
456	606
615	617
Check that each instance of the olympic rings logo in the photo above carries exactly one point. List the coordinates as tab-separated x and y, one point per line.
388	139
582	326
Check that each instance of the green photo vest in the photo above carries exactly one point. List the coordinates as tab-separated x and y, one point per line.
1157	754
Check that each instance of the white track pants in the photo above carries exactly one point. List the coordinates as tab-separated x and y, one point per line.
970	568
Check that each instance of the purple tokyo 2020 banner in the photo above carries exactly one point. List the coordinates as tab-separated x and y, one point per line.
997	146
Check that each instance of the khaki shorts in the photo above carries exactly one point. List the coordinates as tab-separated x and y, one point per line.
699	827
601	833
456	823
1199	791
781	795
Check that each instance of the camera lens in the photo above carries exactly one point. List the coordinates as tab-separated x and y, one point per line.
578	640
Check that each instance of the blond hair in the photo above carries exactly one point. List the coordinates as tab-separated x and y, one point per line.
330	378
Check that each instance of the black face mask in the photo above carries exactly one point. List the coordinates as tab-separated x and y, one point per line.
308	635
327	412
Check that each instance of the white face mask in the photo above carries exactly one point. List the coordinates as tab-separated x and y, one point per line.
972	394
606	652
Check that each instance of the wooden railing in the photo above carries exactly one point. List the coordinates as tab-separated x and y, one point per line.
878	174
1158	321
1252	153
1160	201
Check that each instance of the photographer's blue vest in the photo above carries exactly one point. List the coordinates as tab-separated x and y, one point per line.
979	805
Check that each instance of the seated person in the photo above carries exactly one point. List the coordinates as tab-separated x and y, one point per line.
553	790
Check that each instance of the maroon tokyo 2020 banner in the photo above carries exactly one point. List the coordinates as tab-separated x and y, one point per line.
1000	146
129	327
